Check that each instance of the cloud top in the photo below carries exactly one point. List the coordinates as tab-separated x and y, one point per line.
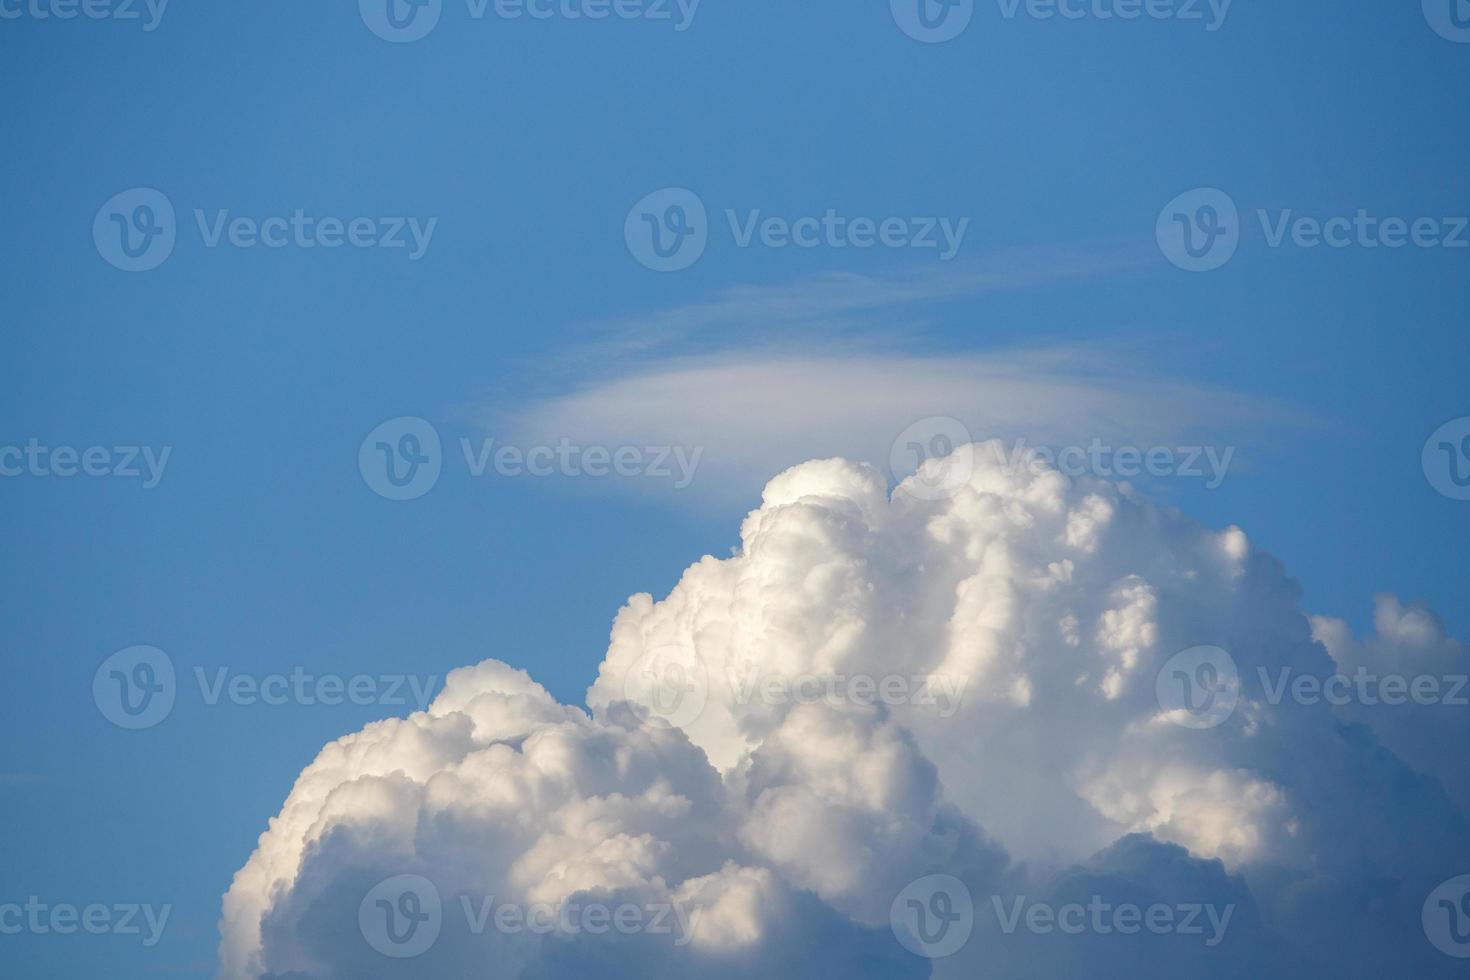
1002	686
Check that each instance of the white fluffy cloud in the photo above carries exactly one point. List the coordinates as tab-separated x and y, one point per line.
876	688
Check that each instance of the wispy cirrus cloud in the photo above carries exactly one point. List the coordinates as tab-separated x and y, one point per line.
836	304
812	368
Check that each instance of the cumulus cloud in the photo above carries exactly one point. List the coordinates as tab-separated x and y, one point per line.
1023	726
1409	649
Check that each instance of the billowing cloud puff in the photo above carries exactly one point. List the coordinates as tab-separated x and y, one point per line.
996	721
498	798
1432	711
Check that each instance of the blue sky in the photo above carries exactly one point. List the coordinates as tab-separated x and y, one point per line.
262	549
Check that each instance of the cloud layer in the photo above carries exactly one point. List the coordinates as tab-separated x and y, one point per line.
995	720
750	414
